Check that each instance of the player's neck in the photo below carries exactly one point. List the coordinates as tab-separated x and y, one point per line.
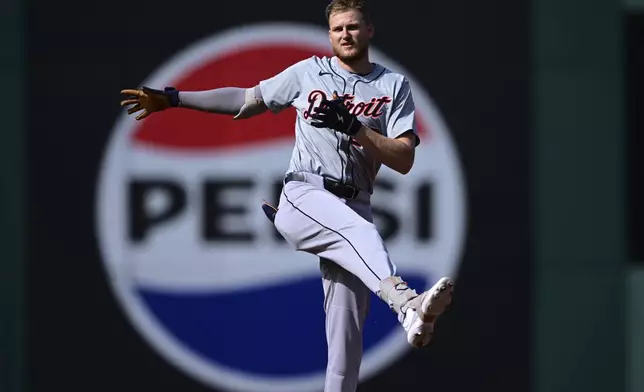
360	67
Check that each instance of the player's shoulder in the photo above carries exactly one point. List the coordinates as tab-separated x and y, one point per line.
302	65
394	79
320	63
313	62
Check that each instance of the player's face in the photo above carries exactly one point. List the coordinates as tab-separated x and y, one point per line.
349	35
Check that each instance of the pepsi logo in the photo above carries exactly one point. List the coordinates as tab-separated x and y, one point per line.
195	264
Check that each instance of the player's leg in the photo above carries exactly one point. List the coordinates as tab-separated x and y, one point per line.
346	303
417	313
315	221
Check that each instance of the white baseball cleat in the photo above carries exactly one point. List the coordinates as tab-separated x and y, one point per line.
422	312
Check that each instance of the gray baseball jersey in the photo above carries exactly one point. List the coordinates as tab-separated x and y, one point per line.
353	257
382	100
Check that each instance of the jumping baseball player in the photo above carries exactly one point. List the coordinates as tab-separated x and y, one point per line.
352	116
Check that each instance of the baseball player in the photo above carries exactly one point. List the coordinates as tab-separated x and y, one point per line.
352	117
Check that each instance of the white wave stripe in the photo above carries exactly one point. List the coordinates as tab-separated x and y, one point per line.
175	257
229	270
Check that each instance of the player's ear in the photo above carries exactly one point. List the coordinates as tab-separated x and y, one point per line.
371	30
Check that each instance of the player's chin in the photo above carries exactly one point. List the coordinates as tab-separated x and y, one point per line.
349	55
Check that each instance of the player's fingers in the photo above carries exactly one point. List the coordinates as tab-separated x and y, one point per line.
134	109
319	116
143	115
126	102
330	105
335	98
132	92
318	124
321	109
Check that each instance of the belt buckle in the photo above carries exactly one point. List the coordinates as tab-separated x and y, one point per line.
337	184
354	192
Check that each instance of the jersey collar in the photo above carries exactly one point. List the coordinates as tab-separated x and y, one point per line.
350	76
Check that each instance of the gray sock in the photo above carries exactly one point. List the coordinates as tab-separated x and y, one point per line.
395	292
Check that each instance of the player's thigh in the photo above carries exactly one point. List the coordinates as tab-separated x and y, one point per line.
315	221
311	218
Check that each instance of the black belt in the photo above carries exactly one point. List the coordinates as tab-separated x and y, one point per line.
343	191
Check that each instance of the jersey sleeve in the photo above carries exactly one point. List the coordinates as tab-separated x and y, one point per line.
279	91
403	113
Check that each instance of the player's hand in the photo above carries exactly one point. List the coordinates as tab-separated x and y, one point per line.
335	115
149	100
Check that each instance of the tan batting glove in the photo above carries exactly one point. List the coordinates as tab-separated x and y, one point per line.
145	99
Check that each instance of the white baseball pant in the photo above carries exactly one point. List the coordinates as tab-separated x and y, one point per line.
353	261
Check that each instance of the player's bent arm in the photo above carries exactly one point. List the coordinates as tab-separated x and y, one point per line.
397	154
237	101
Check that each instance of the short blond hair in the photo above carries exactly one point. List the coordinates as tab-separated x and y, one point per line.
346	5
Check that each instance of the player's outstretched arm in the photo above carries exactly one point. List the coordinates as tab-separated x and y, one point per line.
239	102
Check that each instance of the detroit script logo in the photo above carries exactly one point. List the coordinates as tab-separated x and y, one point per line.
373	108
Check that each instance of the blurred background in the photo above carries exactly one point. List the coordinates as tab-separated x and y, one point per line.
127	248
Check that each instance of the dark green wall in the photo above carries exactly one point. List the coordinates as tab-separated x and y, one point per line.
635	328
635	323
579	220
11	226
634	4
